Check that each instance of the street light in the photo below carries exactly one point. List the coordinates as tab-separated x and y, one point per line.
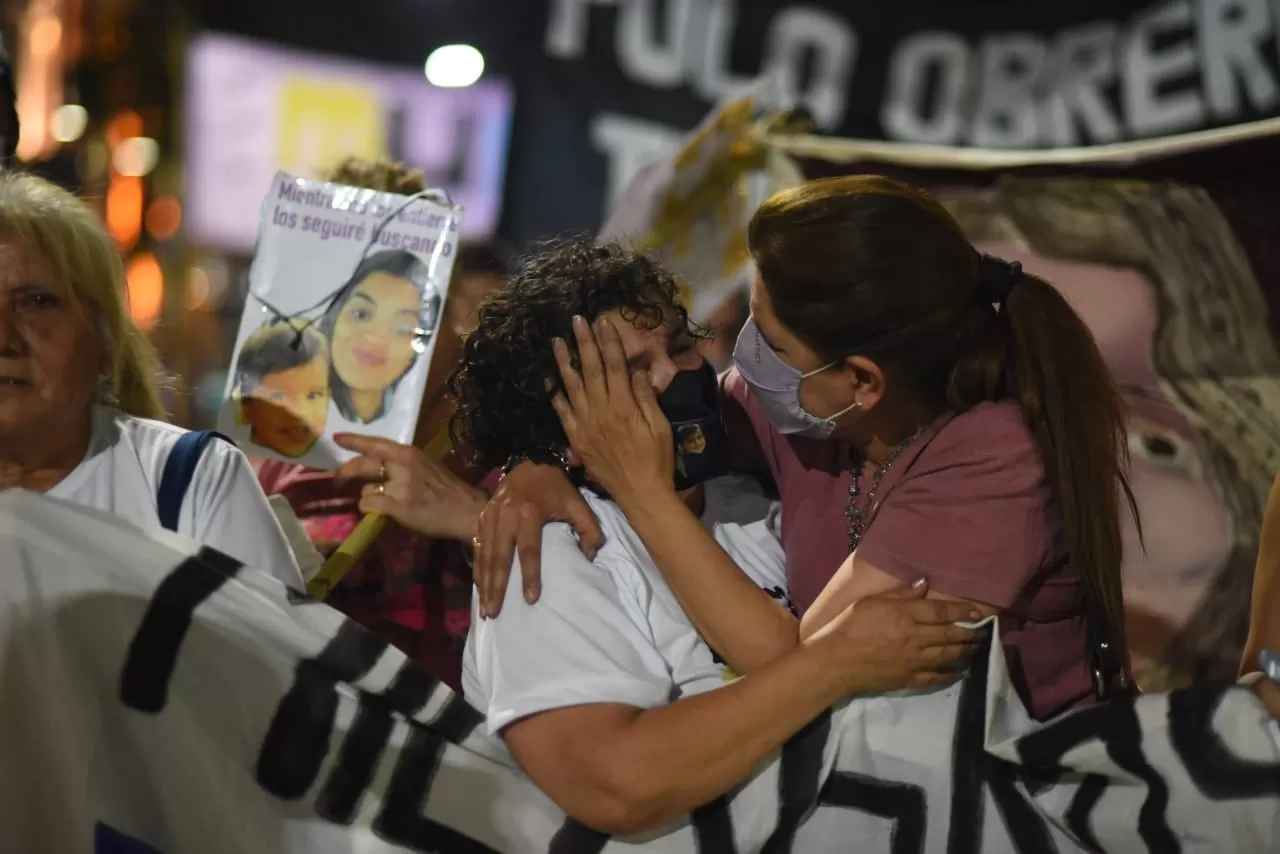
454	66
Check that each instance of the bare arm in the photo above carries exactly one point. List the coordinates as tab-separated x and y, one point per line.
735	617
856	580
624	770
1264	619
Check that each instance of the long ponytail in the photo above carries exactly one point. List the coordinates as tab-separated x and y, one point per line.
1070	401
1021	340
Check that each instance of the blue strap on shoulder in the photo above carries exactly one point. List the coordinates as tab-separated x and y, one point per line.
178	471
108	840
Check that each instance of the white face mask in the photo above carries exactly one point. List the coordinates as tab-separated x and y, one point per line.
776	386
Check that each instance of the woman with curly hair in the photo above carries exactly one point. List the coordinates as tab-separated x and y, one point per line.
604	691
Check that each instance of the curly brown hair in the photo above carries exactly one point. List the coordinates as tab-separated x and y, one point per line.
383	175
508	374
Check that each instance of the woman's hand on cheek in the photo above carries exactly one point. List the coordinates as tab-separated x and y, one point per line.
612	419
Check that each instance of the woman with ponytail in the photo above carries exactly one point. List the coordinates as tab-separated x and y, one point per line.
80	412
927	412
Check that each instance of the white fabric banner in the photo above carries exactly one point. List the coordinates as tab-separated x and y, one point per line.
156	697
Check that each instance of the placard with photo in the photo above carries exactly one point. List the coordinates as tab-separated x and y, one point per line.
346	294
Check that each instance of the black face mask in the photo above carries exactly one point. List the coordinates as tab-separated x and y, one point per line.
692	405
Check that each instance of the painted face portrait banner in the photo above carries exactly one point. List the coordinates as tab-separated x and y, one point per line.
346	294
1167	250
159	697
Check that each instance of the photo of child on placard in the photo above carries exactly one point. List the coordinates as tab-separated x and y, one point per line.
346	293
282	384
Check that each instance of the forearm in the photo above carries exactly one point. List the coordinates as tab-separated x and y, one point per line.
1264	618
675	758
732	614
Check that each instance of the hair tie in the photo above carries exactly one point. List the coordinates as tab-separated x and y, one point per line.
996	278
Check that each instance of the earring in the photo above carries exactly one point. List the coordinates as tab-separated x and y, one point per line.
103	393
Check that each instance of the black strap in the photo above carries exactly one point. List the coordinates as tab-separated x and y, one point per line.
1108	658
178	471
8	106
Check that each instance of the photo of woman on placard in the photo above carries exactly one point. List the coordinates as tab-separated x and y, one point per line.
384	318
1165	287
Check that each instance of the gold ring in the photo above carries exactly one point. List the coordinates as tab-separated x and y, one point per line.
475	542
380	489
382	471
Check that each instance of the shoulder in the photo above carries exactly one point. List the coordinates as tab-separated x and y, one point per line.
145	433
978	488
585	641
221	464
148	434
985	460
734	387
990	439
618	572
152	442
1001	421
622	551
613	522
735	499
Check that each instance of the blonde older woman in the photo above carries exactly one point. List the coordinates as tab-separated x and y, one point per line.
79	409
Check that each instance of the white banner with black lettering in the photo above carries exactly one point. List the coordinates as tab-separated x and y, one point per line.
156	697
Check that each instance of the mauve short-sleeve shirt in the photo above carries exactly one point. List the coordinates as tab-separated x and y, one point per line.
967	507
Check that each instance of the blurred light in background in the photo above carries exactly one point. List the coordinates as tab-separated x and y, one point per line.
94	159
207	283
136	156
69	122
39	60
45	36
123	125
252	108
146	289
197	288
454	66
164	218
124	210
208	393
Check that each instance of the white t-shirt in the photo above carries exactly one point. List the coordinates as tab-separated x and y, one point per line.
224	507
611	631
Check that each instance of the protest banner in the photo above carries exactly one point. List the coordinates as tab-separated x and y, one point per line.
346	294
158	697
609	84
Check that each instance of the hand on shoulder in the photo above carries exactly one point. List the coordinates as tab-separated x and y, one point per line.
898	640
